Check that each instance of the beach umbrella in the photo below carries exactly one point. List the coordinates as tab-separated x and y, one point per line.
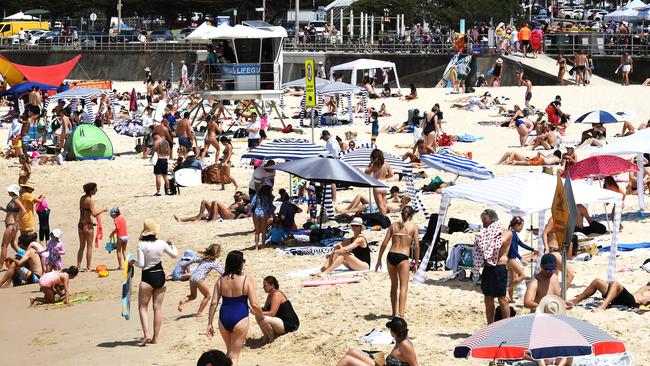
541	335
457	164
600	166
285	148
133	103
598	116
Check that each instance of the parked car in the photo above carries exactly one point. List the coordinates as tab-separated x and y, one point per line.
91	39
577	14
184	33
181	19
161	35
126	35
541	19
565	12
596	14
49	36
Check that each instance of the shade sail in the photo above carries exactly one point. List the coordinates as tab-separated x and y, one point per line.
328	170
52	75
286	149
224	31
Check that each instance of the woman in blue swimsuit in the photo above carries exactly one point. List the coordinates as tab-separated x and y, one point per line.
237	292
515	270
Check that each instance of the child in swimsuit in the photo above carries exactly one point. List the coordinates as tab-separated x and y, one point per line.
206	263
54	250
121	235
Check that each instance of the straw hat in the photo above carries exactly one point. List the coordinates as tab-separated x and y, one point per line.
29	184
499	60
552	304
14	188
147	68
150	227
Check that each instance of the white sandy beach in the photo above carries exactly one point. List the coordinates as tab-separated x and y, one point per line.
440	315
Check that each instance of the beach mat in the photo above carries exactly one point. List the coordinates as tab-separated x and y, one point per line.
331	282
627	247
341	270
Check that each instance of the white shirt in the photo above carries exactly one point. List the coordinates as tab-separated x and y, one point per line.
150	253
15	128
21	35
184	71
385	77
333	147
256	124
261	176
147	120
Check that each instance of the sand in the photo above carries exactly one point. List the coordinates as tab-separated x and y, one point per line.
440	315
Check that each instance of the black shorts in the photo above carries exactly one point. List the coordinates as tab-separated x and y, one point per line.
525	43
262	134
149	99
44	233
161	167
253	143
529	96
625	298
494	280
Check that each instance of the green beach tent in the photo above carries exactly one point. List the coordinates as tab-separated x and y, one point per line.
89	142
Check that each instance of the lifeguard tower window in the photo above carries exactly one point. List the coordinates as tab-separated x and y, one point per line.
249	52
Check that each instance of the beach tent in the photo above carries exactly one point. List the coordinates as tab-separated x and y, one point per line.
89	142
20	16
333	88
224	31
629	12
52	75
85	94
286	149
636	144
18	89
360	157
339	4
522	195
366	64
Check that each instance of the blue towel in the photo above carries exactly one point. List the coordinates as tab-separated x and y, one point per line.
627	247
469	138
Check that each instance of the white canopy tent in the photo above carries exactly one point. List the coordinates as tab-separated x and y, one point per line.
20	16
522	195
636	144
339	4
629	12
224	31
366	64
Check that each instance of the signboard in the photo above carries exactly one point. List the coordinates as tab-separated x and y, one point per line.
93	17
310	83
564	212
223	20
241	69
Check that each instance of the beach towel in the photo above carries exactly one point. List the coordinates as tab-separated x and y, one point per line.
305	250
377	336
627	247
100	232
469	138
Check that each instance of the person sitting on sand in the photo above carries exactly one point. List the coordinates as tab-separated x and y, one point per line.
372	93
214	357
403	354
382	111
55	283
628	128
544	283
569	158
413	94
360	204
549	139
26	267
614	294
401	234
551	246
353	253
277	317
595	136
212	211
515	158
208	261
419	149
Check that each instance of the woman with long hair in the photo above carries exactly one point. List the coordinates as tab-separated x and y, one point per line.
225	161
152	286
238	293
86	226
277	317
213	129
208	261
515	269
13	211
402	234
380	170
262	209
561	62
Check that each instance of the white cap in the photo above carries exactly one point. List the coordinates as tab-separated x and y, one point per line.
191	153
57	233
14	188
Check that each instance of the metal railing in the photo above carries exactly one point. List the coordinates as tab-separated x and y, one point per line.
597	43
87	42
235	77
392	43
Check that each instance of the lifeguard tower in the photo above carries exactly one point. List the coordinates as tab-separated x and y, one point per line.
239	62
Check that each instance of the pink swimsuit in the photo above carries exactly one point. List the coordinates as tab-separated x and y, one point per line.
50	279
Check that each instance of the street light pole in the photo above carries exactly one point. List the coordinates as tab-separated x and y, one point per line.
119	14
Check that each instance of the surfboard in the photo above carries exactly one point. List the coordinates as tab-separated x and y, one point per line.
127	276
331	282
188	177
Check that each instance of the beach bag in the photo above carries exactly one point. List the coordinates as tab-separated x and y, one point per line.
240	133
457	225
288	128
444	140
438	256
343	218
174	188
375	219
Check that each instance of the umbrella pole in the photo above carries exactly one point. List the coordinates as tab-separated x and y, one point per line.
532	267
565	248
322	207
607	216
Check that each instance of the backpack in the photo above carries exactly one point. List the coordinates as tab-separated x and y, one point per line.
174	188
375	219
457	225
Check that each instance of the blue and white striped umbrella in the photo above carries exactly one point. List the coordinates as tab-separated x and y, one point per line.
457	164
286	149
360	158
598	116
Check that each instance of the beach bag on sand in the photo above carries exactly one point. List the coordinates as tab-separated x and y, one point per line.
375	219
457	225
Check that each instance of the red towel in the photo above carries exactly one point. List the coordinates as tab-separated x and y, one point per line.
99	235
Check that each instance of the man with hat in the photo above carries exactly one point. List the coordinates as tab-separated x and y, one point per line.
544	283
27	222
321	70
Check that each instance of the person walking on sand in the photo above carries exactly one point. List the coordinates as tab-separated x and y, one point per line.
13	211
238	292
626	68
184	133
161	168
580	62
524	38
121	235
561	63
149	258
225	162
491	248
212	130
401	234
207	262
529	90
86	227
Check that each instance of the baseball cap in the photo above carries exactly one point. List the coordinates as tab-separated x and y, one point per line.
190	154
549	261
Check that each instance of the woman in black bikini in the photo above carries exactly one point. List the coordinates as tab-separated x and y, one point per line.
402	233
353	253
86	227
561	62
431	127
224	167
277	317
14	210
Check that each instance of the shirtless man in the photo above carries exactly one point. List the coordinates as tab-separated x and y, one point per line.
614	294
544	283
66	127
163	131
25	269
580	61
35	100
548	139
551	246
419	149
26	122
184	132
149	92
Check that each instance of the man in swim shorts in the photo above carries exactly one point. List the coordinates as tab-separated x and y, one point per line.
184	132
614	294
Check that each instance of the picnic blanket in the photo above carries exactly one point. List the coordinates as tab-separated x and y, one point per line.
305	250
627	247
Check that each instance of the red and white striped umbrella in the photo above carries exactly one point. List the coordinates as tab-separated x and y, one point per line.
542	335
599	165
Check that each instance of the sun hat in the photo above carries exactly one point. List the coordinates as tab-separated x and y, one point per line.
356	222
190	154
551	304
147	68
57	233
14	188
29	184
150	227
397	325
548	261
499	60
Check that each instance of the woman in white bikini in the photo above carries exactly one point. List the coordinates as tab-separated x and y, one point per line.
380	170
